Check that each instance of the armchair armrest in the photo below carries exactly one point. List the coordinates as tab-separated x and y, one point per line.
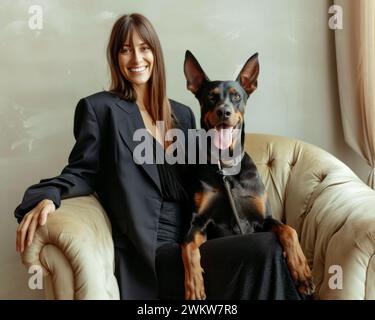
339	230
75	250
332	210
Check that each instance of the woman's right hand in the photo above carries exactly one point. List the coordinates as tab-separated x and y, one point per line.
31	221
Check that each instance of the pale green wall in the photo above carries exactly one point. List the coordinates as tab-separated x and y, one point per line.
44	73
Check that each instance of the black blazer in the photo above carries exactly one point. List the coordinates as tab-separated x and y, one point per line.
102	161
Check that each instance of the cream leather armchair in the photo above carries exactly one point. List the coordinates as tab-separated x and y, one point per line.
332	210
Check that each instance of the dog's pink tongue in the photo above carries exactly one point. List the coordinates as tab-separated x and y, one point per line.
223	138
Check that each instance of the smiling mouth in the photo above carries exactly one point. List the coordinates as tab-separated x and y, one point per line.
223	125
223	136
138	70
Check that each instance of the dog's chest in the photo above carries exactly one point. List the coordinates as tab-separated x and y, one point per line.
248	202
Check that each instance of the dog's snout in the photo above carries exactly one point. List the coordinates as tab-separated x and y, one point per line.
224	112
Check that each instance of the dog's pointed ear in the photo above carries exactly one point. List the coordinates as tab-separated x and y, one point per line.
248	77
194	73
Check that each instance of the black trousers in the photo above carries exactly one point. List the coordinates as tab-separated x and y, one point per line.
236	267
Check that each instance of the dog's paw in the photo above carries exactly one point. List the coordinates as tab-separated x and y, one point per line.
306	287
194	286
305	284
300	271
195	293
302	276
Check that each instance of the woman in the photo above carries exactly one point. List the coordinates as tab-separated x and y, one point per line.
148	204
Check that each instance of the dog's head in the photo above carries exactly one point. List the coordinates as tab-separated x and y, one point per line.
222	102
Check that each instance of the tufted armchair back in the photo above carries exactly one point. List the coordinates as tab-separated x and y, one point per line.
294	174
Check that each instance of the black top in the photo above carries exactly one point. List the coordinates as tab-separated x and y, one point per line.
170	179
172	219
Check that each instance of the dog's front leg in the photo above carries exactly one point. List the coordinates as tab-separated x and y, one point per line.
297	262
194	283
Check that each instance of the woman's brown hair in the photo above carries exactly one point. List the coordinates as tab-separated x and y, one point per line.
124	27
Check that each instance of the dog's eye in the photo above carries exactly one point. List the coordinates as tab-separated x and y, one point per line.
211	97
236	97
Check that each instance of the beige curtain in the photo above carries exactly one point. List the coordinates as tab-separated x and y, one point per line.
355	53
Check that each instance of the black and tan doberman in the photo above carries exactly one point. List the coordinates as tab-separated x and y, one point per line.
222	110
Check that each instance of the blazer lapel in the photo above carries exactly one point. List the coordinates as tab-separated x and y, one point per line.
130	123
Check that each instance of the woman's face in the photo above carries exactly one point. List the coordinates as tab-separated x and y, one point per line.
136	60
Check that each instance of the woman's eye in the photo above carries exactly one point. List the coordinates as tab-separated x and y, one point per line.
145	48
211	97
125	50
236	97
